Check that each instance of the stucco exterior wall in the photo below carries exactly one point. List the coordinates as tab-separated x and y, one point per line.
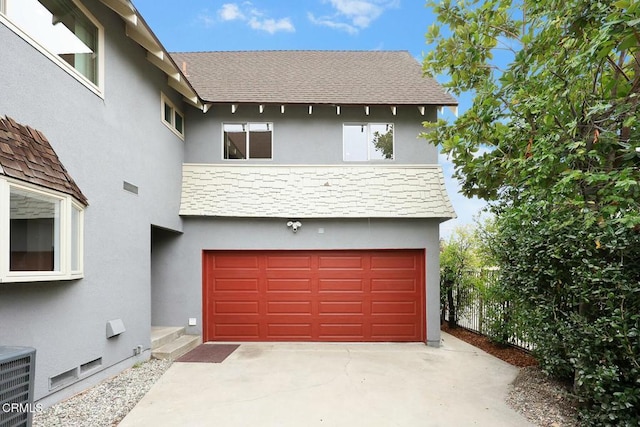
299	138
303	138
177	259
101	142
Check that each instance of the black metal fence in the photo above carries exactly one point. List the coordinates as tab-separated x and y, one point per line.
493	318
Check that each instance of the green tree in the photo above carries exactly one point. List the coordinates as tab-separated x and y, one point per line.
459	264
551	140
383	142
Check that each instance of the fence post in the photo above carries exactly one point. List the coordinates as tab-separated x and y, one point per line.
480	314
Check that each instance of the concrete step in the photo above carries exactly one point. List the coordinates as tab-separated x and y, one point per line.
161	335
177	348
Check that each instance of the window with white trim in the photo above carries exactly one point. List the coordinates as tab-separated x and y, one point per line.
243	141
171	116
64	31
42	234
368	141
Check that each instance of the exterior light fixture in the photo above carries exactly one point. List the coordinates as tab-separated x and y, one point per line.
294	225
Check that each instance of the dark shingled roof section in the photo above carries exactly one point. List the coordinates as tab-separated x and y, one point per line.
26	155
312	77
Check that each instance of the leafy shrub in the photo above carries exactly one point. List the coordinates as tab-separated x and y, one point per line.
578	284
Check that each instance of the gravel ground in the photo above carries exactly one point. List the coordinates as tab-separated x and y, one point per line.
107	403
543	401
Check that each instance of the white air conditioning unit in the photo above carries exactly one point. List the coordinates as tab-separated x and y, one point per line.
17	371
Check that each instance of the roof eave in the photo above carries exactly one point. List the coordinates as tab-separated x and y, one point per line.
332	104
140	32
422	107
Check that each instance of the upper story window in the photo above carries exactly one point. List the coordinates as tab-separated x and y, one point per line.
248	140
368	141
64	31
44	232
172	117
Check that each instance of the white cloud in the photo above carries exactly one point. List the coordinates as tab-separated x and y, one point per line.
230	12
327	22
272	26
353	15
361	13
254	18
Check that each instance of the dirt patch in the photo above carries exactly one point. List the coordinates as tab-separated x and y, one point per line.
512	355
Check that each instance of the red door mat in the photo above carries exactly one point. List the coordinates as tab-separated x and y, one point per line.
209	353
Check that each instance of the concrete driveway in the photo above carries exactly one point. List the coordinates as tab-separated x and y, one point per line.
311	384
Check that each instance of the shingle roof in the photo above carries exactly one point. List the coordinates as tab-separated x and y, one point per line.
26	155
312	77
314	191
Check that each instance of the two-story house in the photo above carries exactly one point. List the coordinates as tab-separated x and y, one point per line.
310	205
248	195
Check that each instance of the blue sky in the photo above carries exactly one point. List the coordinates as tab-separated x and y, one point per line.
210	25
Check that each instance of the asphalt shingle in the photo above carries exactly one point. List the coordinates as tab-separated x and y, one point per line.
311	77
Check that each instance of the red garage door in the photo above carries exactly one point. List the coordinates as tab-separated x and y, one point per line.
314	295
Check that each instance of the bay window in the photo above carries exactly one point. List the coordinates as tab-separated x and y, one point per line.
43	231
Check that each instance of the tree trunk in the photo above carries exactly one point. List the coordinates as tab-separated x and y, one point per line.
506	320
452	308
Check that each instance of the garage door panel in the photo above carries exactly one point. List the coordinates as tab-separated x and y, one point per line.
392	330
237	331
233	307
235	261
393	262
340	262
395	285
289	285
288	262
341	330
288	307
340	307
394	307
235	285
314	296
389	273
289	331
341	274
341	285
240	273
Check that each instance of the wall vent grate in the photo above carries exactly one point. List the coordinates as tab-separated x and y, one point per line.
89	366
127	186
63	379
